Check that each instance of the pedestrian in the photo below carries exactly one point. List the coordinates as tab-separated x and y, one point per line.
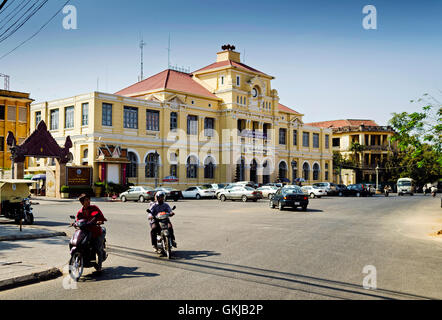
424	189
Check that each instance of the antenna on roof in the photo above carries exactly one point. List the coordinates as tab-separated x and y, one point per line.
168	54
142	45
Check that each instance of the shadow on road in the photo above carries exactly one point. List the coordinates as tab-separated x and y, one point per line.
113	273
290	281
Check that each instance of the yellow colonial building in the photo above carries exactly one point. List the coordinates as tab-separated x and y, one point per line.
14	117
375	147
219	124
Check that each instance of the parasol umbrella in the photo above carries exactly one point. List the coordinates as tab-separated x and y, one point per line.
39	177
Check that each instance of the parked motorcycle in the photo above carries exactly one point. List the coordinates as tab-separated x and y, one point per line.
164	240
83	253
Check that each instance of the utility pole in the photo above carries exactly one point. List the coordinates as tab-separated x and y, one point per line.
142	45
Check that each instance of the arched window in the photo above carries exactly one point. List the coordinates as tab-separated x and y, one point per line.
282	170
152	165
316	171
209	168
306	171
192	167
131	171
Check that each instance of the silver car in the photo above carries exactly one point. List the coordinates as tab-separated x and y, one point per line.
268	191
240	193
138	193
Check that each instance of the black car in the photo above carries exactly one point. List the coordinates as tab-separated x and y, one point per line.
289	197
341	189
171	193
357	190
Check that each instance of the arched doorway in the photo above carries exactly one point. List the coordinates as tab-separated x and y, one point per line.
253	171
209	168
316	170
240	170
282	173
266	172
306	171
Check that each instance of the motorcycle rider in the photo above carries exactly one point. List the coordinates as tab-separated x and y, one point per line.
159	206
95	219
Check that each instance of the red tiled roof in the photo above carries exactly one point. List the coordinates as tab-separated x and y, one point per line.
283	108
342	123
168	79
231	63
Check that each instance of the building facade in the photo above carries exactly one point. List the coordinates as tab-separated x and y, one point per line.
374	151
219	124
14	116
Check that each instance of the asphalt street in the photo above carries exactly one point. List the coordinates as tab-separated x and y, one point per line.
235	250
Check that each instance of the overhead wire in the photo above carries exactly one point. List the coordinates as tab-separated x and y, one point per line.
35	33
31	12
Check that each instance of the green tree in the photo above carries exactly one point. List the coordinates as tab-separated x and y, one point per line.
419	139
417	129
356	148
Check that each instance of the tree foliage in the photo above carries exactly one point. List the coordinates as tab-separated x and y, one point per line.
414	130
419	140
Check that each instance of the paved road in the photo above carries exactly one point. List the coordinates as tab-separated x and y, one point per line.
236	250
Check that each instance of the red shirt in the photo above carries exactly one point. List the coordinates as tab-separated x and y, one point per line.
89	213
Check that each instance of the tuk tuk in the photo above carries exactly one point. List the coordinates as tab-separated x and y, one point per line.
15	203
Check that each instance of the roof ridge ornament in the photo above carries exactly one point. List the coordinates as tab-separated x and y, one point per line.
228	47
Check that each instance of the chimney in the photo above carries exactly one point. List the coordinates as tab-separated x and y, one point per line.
228	53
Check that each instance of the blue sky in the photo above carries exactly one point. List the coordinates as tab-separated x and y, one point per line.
325	64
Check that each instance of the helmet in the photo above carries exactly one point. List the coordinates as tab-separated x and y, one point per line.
160	194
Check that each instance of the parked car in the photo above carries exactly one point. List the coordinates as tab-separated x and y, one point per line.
289	197
229	186
250	184
372	189
240	193
314	192
268	191
279	185
138	193
341	189
215	186
171	193
357	190
329	187
199	192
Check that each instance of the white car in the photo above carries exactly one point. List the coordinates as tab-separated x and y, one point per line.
313	192
198	192
268	191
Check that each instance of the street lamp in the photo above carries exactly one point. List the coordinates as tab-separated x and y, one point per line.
156	168
377	177
293	163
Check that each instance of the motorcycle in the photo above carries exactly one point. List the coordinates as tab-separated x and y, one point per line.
83	253
164	240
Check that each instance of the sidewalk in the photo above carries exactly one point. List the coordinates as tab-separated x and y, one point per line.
36	199
30	256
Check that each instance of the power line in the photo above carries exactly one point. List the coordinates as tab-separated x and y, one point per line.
16	10
3	4
29	16
37	32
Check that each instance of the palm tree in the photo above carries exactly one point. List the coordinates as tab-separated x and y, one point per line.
356	148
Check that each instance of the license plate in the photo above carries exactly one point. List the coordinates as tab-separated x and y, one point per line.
297	203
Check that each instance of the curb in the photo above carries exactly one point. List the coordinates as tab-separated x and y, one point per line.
32	236
35	277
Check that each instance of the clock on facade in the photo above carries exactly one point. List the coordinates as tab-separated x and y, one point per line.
254	93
